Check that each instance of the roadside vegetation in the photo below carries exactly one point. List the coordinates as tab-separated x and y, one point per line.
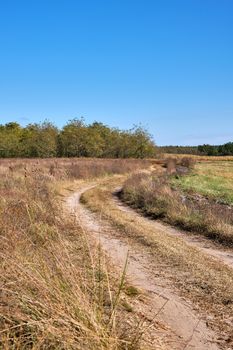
57	292
205	282
212	180
58	289
196	199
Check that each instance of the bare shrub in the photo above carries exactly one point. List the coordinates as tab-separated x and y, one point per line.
171	165
52	170
187	162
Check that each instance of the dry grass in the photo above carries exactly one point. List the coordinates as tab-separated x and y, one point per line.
70	168
204	281
56	290
155	197
198	158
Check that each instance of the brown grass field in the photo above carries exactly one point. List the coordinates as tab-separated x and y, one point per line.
55	293
199	201
59	289
205	282
198	158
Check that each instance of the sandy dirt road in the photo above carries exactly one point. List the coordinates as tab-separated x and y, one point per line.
217	251
188	329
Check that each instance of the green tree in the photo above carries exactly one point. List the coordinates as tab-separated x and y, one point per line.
39	140
73	137
76	139
10	134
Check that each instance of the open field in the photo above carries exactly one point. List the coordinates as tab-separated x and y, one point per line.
105	277
69	168
57	291
198	158
195	201
116	175
200	279
213	180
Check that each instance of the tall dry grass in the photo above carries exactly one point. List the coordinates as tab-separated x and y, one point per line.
70	168
198	157
206	282
56	290
155	197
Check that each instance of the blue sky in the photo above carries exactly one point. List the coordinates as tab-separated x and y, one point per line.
165	63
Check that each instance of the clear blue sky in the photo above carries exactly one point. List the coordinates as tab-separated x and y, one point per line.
165	63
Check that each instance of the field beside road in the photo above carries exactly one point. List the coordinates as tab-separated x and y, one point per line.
82	270
56	290
213	180
192	267
198	199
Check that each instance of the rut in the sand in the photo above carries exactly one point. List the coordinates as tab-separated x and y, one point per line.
217	251
188	328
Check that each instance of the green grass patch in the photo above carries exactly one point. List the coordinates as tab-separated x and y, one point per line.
210	180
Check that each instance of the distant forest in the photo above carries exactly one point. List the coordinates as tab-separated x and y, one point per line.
75	139
207	150
78	139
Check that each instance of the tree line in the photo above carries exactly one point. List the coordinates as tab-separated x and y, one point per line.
205	150
179	149
75	139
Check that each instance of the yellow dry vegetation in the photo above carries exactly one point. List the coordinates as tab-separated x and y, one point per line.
201	279
56	290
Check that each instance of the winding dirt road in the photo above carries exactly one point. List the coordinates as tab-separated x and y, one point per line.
221	253
188	329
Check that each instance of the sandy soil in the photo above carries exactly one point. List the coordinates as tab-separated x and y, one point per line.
187	328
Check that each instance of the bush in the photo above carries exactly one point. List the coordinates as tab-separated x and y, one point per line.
187	162
171	165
